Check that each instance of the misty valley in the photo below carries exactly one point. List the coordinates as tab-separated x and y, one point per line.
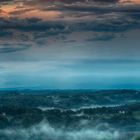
69	115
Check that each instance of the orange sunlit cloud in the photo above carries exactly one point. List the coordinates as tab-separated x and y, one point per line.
28	12
6	9
130	1
23	10
47	15
16	10
135	1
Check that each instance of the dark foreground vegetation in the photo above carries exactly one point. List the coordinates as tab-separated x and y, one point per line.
53	115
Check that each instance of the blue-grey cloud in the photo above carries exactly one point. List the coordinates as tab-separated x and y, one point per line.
102	37
118	24
108	19
8	48
4	33
38	31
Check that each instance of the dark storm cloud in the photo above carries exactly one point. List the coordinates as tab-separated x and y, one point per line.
69	1
31	25
5	33
103	24
8	48
135	16
102	16
69	5
73	1
40	30
6	0
83	5
102	37
98	9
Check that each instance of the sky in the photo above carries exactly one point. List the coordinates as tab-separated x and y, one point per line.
70	44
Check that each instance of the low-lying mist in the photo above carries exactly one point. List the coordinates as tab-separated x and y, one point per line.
70	115
43	131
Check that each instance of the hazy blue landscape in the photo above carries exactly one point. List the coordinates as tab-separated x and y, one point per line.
69	69
69	115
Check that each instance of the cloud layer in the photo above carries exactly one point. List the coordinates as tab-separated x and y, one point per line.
38	20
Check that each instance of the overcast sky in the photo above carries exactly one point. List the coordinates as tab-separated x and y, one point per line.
70	44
